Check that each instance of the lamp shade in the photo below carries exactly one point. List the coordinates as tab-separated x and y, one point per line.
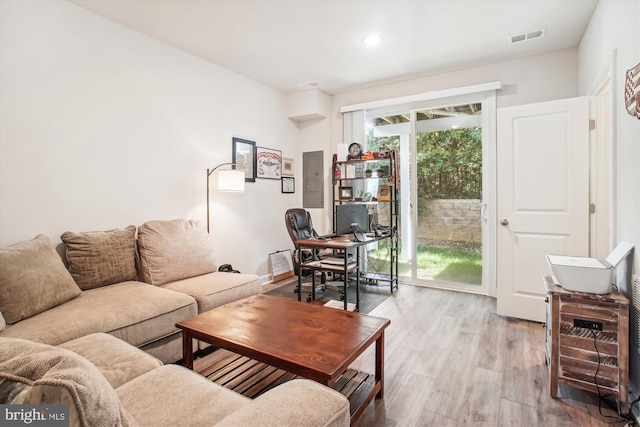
231	181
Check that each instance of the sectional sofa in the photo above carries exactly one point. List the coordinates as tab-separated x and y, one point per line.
134	284
69	332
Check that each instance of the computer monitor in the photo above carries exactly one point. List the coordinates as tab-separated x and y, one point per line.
350	218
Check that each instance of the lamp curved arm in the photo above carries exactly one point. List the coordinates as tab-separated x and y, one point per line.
210	171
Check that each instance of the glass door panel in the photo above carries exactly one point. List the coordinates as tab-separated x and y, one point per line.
448	189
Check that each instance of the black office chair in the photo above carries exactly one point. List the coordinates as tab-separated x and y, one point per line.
300	227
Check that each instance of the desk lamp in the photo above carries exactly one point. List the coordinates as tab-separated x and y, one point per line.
229	180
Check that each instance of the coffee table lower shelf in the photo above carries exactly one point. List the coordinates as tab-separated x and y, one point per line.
252	378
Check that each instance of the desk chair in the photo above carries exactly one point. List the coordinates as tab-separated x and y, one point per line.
300	227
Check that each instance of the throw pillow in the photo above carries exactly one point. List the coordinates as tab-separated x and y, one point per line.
33	279
100	258
40	374
174	250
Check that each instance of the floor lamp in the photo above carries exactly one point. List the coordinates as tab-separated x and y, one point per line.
229	180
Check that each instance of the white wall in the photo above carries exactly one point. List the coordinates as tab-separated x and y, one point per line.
102	127
612	45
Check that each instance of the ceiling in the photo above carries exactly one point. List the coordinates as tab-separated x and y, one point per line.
285	43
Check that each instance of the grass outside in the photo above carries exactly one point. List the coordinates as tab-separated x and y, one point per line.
453	263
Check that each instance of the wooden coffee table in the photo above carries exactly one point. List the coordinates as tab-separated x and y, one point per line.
308	340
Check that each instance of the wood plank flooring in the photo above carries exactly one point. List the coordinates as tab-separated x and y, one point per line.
450	360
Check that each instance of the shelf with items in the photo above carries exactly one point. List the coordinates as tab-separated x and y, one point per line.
374	170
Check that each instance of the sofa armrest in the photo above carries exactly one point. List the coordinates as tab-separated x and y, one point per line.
295	403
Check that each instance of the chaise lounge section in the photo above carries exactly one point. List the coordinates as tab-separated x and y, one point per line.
105	381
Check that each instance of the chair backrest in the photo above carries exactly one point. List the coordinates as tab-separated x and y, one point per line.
299	224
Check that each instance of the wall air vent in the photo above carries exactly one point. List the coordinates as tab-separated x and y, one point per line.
529	35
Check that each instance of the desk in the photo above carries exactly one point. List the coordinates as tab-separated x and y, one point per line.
341	243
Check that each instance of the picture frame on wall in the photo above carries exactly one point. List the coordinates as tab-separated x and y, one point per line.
288	184
287	167
269	163
244	156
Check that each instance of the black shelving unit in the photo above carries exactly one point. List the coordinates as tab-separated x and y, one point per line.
350	178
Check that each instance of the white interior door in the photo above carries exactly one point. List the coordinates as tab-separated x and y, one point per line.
542	198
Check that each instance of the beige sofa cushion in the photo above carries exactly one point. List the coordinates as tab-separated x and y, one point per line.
174	250
33	279
33	373
135	312
99	258
175	396
118	361
283	406
215	289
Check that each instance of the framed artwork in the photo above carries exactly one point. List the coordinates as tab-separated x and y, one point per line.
269	163
287	167
288	184
384	193
244	156
346	193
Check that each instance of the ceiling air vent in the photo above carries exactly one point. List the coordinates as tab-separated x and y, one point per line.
529	35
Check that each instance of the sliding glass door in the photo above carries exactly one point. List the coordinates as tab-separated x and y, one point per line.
442	152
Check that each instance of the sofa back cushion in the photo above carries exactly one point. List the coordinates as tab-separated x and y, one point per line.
33	279
100	258
174	250
40	374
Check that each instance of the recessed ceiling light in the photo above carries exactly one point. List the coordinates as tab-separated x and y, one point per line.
372	39
309	85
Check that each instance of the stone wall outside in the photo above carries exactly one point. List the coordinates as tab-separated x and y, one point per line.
456	220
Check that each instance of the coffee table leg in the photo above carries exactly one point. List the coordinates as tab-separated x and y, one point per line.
380	364
187	350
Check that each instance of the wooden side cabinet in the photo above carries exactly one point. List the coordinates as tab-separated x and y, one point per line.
588	334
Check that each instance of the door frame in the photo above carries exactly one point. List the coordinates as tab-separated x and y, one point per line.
602	141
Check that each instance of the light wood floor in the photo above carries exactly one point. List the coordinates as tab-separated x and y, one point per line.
450	360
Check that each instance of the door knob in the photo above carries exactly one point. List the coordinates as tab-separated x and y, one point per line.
504	222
